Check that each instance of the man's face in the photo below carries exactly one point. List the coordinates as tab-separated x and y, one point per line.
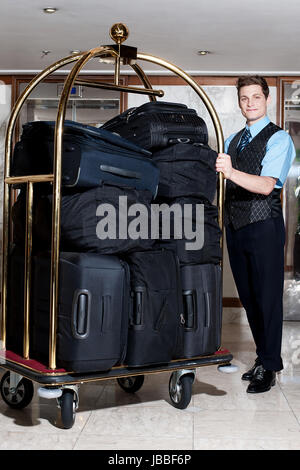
253	103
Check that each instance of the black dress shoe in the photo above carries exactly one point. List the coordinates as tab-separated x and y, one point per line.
250	373
262	381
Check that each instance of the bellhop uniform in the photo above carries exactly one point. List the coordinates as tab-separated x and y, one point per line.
255	234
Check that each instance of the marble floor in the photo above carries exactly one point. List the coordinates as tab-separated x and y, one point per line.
221	414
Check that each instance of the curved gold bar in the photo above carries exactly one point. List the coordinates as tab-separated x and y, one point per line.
62	106
6	190
144	79
213	115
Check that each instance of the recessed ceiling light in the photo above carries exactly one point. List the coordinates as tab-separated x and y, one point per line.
203	52
50	10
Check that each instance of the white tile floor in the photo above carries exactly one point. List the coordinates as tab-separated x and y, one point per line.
221	414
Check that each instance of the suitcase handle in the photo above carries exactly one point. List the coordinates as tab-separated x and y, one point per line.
190	309
120	172
138	306
207	301
81	314
180	140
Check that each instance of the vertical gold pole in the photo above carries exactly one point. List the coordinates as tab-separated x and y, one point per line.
27	273
117	66
6	191
54	281
5	238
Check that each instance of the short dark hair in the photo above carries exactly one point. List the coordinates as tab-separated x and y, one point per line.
253	80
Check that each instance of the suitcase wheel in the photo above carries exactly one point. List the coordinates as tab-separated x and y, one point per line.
16	391
131	384
68	405
180	390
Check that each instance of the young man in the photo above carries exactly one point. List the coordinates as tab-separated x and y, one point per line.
255	164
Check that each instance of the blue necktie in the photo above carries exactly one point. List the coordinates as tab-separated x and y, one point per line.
244	140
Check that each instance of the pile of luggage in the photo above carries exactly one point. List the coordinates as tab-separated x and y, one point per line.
133	300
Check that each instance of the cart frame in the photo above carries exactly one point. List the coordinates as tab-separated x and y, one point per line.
18	366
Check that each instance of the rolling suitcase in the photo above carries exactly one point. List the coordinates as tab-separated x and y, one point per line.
156	312
186	170
157	124
92	315
90	156
202	306
15	302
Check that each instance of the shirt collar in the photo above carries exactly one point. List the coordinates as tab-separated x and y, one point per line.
258	126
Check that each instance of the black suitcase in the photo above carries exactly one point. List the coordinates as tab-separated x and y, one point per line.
92	315
186	170
211	249
156	313
157	124
15	303
90	156
202	306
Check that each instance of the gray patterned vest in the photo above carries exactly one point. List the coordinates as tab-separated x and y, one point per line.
243	207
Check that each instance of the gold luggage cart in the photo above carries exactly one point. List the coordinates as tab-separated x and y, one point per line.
17	384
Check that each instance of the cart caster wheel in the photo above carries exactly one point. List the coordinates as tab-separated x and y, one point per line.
68	408
16	397
181	390
131	384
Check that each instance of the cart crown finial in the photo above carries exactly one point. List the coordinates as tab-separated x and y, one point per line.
119	32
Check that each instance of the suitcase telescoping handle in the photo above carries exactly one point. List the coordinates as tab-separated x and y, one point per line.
207	300
190	308
138	306
120	172
81	313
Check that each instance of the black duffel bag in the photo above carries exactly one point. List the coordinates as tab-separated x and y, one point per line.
211	251
80	224
85	228
187	170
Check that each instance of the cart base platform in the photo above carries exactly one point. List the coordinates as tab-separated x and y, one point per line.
40	373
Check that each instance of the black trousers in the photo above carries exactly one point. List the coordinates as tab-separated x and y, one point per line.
256	254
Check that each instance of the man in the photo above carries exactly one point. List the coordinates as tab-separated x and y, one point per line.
255	165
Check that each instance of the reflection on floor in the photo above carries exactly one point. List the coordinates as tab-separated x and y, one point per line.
221	414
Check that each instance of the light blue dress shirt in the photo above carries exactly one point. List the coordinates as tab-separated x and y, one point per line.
280	152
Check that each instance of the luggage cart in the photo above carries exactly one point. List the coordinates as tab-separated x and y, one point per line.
17	383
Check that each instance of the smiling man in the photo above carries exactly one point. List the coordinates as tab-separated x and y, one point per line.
255	164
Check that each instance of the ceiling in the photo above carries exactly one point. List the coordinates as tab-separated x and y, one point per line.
260	36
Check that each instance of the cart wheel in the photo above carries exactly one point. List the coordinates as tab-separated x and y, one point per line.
18	397
68	408
131	384
181	391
